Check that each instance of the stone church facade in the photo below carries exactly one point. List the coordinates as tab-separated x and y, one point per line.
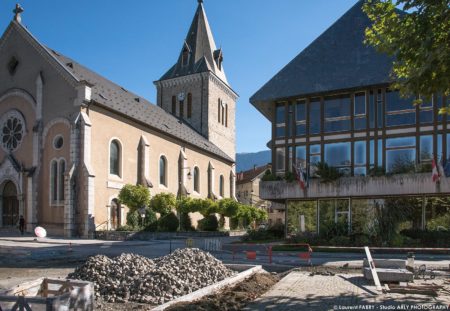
71	139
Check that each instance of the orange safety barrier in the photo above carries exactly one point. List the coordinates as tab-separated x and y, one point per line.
303	255
251	255
251	251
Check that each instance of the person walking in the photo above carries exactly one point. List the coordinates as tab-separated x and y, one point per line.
21	224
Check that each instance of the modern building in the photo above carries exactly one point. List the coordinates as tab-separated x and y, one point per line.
71	139
247	192
334	103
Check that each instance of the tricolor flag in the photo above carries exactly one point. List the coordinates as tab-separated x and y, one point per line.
434	173
300	176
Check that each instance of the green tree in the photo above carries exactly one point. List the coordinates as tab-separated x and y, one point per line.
419	41
163	203
134	197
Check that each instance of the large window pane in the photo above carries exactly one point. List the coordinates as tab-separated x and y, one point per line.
394	102
280	131
360	153
333	217
280	113
380	152
400	142
426	116
300	154
372	153
337	106
360	171
401	119
313	149
437	213
371	110
280	155
363	217
400	161
290	120
337	126
337	154
439	146
380	114
301	111
300	129
302	217
314	116
360	123
448	145
426	147
360	104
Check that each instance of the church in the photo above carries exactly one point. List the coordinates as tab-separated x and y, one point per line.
70	139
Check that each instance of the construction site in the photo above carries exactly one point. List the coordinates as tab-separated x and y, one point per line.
55	275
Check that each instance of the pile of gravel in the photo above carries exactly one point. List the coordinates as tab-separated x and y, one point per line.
131	277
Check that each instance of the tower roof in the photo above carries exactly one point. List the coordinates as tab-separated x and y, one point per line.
338	59
201	51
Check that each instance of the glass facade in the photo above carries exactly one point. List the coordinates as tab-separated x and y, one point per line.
367	217
390	134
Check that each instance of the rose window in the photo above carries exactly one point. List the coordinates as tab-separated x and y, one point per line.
12	130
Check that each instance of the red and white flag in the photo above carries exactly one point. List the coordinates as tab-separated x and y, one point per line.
434	173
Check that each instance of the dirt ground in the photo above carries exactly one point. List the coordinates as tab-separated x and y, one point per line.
232	298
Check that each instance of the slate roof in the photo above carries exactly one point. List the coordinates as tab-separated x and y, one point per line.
202	48
338	59
119	99
249	175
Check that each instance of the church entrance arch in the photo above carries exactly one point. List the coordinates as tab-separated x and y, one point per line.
10	205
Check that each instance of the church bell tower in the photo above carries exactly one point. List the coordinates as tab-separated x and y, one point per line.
196	89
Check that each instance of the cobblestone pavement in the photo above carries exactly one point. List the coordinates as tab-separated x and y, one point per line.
299	291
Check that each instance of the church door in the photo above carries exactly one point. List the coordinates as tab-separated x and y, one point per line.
10	208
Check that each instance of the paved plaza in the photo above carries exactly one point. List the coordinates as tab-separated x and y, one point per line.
300	291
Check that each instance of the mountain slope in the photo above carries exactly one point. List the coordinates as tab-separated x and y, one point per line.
246	161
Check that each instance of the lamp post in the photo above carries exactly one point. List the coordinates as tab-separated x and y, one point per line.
142	214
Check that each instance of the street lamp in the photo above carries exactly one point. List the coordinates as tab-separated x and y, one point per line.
142	214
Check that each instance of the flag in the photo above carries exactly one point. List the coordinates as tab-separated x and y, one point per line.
434	172
445	167
298	171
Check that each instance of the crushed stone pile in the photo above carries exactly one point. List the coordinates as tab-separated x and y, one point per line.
131	277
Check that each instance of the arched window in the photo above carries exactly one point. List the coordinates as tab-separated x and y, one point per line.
114	158
62	170
181	108
196	179
221	186
174	105
189	105
57	171
54	181
163	171
226	115
219	108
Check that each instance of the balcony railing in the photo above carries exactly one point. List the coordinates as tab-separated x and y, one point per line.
402	184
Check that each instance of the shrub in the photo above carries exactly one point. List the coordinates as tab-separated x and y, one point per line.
186	222
234	223
340	240
150	221
269	176
257	235
163	203
125	228
327	173
289	177
209	223
168	223
134	197
276	230
133	220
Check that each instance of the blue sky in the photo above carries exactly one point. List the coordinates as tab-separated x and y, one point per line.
134	42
